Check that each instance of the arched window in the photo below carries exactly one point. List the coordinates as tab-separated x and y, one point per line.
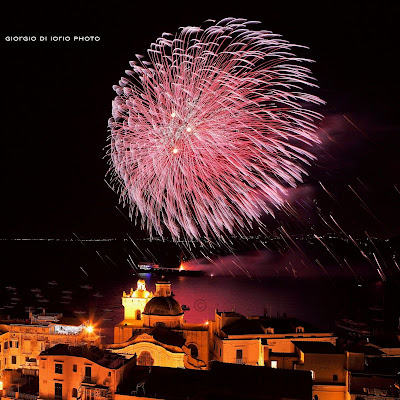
194	351
145	359
138	314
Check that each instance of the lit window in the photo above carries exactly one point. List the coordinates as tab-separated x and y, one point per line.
146	359
239	356
58	369
312	374
274	364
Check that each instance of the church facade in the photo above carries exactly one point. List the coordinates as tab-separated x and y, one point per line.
154	330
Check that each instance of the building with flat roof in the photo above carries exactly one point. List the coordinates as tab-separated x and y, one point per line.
21	341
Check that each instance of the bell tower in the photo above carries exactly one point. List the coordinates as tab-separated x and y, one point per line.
135	301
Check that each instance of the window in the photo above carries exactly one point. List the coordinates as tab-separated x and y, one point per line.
13	359
138	314
335	378
16	345
58	368
312	374
88	374
0	346
74	392
274	364
145	358
11	344
299	329
58	390
5	345
74	368
194	351
109	373
239	356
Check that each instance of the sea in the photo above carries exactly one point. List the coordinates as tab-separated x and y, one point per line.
86	280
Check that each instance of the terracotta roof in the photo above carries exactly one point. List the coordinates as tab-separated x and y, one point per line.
164	335
98	356
316	347
244	326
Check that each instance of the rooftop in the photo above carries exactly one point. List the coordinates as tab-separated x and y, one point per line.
159	333
102	357
316	347
244	326
287	325
258	325
222	381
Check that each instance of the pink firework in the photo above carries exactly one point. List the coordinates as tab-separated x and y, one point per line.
211	130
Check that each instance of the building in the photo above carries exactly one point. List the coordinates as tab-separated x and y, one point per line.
154	329
71	372
222	381
328	367
260	340
21	341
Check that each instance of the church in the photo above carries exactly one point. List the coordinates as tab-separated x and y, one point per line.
154	330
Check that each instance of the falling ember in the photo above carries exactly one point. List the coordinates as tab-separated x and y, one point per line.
233	99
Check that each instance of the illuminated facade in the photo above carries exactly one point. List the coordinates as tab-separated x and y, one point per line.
160	335
22	342
68	372
135	301
260	340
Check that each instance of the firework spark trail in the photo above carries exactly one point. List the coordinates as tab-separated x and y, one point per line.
327	191
380	255
207	135
379	269
397	265
351	269
328	249
363	204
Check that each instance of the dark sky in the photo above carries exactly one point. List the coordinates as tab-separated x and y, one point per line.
57	100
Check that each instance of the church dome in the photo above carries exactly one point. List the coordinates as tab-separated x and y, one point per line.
163	306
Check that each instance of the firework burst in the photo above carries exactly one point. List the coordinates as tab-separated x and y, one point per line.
206	135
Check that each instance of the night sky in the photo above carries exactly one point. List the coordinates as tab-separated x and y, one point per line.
57	100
